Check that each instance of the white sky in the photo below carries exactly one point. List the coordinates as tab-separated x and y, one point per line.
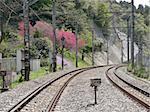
137	2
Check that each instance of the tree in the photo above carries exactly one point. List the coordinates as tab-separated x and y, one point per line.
102	17
140	9
141	31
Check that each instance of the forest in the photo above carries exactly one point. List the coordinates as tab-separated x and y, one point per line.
70	14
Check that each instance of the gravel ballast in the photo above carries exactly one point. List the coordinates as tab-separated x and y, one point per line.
79	96
12	97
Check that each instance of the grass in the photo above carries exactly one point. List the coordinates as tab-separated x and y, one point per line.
72	57
33	75
129	68
139	72
44	70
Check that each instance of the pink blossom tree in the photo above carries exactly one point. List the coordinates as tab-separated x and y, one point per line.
47	31
21	28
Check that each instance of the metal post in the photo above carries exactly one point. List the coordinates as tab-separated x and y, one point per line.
4	83
54	36
128	47
50	60
141	52
138	55
149	63
26	39
95	89
63	45
107	51
132	39
93	47
76	34
121	51
62	57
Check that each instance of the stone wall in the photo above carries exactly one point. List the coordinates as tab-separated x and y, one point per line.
8	64
34	64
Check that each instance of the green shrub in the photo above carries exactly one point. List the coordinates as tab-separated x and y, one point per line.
141	72
129	68
44	62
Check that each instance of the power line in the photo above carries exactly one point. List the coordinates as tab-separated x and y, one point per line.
8	7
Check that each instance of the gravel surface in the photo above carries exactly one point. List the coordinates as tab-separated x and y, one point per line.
127	87
42	100
10	98
79	96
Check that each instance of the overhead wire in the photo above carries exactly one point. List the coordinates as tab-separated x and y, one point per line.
8	7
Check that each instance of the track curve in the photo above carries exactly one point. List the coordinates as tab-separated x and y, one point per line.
128	88
36	91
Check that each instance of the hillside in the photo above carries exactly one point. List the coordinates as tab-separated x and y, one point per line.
82	16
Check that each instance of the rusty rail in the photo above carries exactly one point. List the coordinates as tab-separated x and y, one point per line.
143	102
17	107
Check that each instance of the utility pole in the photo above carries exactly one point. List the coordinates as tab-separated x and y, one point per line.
140	52
128	35
63	46
132	39
149	62
76	34
93	47
1	26
54	36
26	40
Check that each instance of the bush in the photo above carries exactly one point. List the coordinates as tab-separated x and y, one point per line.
141	72
44	62
129	68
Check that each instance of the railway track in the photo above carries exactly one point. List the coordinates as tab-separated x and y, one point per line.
131	90
64	81
140	89
55	99
70	75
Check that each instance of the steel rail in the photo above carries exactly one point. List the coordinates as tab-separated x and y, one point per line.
18	106
131	85
143	102
55	99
